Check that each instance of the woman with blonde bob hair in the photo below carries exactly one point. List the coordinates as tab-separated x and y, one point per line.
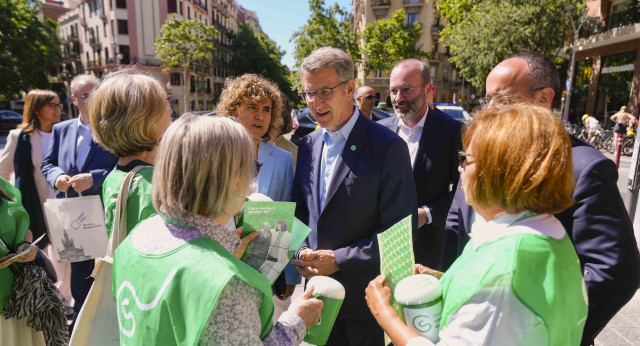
257	104
518	281
196	192
129	112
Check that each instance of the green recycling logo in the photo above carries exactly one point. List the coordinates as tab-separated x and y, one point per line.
422	323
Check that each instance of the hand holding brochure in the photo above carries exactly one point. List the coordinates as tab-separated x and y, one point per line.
279	236
21	253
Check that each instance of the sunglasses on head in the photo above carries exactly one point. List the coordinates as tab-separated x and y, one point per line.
462	158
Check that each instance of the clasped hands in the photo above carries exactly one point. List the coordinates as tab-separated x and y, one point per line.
312	263
28	257
79	182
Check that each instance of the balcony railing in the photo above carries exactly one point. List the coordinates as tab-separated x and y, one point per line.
413	2
201	3
610	22
381	3
436	28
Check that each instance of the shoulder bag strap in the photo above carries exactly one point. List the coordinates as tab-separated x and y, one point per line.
119	231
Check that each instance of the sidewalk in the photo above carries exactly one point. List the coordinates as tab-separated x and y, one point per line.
624	328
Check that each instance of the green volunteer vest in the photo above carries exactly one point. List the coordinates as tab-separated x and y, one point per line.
545	275
167	299
14	222
139	206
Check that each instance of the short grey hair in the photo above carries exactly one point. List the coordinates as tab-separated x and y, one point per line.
325	57
424	69
203	167
83	79
542	72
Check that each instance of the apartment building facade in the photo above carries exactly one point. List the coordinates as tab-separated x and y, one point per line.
100	36
450	86
607	70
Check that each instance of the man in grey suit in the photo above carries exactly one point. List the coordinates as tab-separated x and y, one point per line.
353	181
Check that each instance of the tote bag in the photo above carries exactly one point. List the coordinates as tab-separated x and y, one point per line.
97	322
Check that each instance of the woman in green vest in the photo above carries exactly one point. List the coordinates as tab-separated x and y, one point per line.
129	112
14	238
518	281
177	278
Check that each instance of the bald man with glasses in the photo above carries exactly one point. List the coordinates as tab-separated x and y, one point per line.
597	223
366	100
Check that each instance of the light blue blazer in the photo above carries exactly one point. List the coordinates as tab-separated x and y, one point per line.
276	175
276	181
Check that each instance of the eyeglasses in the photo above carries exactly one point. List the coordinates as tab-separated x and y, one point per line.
323	94
406	90
83	96
462	159
369	97
54	106
505	99
258	166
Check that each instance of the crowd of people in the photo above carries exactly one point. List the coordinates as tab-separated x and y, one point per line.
525	229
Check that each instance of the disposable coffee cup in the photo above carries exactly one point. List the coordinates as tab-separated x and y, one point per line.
331	292
420	296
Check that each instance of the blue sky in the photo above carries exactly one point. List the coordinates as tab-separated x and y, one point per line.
281	18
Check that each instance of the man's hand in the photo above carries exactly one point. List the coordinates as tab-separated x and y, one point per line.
422	217
81	182
62	182
312	263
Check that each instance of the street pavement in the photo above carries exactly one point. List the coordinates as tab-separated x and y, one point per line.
624	328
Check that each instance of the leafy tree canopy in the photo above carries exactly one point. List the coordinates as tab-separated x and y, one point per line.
327	26
256	53
481	33
389	41
29	48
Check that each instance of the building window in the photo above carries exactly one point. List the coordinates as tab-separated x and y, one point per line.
176	79
104	28
121	3
188	12
172	6
123	27
412	18
208	86
124	51
192	83
106	54
180	7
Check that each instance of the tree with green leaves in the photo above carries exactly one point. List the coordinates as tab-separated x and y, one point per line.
254	52
187	44
388	41
480	34
29	48
327	26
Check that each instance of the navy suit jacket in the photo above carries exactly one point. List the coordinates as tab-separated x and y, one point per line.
601	231
435	173
61	159
371	189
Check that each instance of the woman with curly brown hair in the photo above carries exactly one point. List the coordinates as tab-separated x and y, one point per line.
256	103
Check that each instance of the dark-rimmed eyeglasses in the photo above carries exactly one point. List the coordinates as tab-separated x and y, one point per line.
462	159
54	106
258	166
405	90
506	99
369	97
323	94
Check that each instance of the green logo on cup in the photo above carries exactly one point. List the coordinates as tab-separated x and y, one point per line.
421	323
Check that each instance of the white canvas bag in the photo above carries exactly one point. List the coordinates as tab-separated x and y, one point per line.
97	322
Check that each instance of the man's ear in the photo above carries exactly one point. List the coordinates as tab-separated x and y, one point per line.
351	87
545	97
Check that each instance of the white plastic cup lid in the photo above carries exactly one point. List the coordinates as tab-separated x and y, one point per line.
327	287
417	289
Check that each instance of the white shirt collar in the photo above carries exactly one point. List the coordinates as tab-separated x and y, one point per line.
483	231
82	126
419	125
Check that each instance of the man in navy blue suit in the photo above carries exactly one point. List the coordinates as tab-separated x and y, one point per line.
433	139
353	181
77	164
597	223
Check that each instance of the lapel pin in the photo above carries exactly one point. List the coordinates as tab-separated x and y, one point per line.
353	148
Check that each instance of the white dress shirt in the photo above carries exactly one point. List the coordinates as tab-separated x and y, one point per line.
412	136
83	143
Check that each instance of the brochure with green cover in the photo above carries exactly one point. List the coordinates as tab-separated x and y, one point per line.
22	253
279	236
